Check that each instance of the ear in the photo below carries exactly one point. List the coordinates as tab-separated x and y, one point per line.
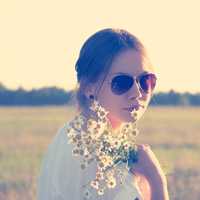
89	90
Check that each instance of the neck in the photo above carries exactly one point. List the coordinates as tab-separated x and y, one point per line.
115	122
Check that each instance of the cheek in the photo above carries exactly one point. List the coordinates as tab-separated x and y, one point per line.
104	97
109	101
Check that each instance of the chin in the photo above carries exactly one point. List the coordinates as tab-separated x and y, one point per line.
128	118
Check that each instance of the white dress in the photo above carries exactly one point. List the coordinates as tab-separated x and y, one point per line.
61	177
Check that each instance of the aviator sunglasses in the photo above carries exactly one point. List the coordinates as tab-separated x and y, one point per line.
120	84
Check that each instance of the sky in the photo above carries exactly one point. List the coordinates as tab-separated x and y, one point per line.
40	40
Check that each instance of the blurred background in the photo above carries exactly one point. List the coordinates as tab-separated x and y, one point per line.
39	44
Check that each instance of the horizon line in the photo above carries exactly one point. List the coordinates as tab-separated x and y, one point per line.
73	88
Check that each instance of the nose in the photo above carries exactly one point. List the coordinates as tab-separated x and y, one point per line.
135	92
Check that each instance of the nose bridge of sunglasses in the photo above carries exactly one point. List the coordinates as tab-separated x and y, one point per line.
136	83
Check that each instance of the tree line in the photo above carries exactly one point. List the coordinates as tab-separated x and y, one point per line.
59	96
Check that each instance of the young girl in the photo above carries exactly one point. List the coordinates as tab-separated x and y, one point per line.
94	156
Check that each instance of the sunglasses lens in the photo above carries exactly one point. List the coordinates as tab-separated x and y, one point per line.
148	82
121	84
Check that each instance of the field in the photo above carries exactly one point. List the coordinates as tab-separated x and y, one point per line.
25	132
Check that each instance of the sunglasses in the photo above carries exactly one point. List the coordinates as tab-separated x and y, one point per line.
120	84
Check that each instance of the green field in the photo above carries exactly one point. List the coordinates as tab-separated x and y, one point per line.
25	132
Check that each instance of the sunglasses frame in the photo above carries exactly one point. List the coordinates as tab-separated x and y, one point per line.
135	79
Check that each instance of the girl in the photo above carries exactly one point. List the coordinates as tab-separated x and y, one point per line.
94	156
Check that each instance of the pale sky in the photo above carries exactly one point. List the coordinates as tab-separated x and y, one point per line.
40	39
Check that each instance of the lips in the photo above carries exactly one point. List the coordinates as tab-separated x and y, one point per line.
136	107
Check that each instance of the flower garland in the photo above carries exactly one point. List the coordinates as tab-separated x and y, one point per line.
102	144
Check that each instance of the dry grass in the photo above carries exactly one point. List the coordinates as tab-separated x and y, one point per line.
25	132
